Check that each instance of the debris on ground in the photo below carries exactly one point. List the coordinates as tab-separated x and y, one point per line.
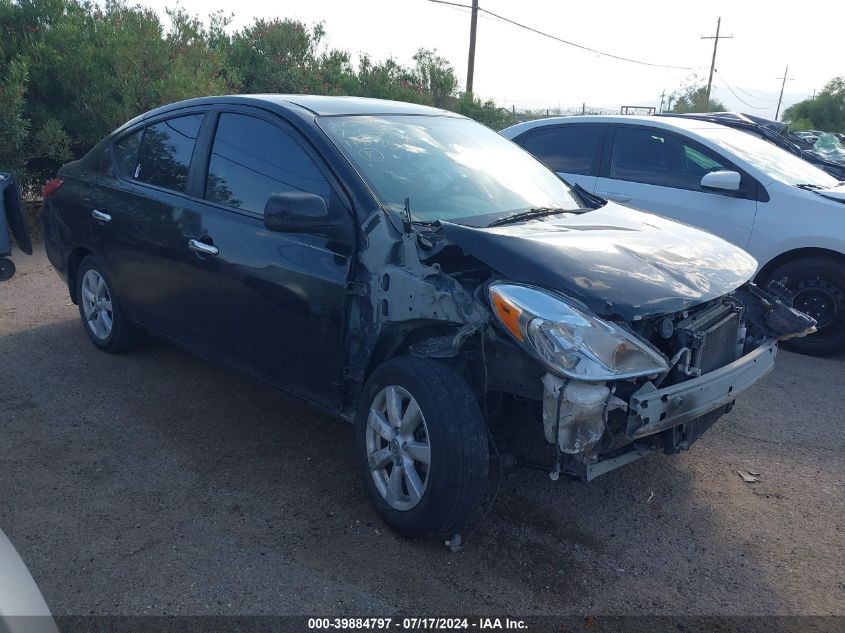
455	543
748	476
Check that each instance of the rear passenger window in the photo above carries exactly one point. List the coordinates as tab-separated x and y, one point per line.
126	153
252	159
166	151
570	148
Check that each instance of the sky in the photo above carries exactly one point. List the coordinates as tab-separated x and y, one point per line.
518	68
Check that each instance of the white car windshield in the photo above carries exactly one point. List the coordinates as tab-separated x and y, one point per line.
448	168
776	163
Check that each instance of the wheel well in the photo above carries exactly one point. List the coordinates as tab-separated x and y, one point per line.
74	259
798	253
397	343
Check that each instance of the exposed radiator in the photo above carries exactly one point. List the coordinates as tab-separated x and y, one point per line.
712	336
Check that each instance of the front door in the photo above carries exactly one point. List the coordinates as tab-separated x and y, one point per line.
658	171
269	303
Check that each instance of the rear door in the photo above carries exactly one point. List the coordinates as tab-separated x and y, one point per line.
659	171
137	214
266	302
572	151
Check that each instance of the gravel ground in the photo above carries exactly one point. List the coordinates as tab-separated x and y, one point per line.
156	483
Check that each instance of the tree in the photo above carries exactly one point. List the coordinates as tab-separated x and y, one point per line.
90	68
825	112
692	97
71	71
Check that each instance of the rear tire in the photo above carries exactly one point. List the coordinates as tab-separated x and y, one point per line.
819	288
431	498
7	269
99	307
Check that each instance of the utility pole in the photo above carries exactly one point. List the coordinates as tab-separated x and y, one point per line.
782	86
472	28
715	39
662	96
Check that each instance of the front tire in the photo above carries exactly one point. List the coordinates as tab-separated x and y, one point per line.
422	446
818	285
102	316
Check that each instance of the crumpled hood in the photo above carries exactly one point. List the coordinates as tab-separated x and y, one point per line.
617	261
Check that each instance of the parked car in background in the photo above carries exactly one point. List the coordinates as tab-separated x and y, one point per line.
12	224
806	139
787	213
22	607
397	265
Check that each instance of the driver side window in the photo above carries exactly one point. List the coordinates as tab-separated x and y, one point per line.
252	159
655	157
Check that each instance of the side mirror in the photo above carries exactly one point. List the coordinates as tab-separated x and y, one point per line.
721	181
297	212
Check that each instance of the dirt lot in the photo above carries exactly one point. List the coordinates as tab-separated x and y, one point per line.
155	483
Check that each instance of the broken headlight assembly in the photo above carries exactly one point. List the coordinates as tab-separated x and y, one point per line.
568	340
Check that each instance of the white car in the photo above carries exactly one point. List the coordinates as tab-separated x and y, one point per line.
787	213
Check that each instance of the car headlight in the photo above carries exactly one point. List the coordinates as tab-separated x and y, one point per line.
570	341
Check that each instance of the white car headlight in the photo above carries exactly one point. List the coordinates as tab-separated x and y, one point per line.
570	341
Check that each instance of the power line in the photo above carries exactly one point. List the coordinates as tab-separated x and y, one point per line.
563	41
740	99
745	92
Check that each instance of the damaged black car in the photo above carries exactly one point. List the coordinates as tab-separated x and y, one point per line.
400	266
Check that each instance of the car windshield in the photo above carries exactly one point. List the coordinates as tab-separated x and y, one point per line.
829	145
776	163
448	168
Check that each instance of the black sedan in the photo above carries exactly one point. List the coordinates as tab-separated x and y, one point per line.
405	268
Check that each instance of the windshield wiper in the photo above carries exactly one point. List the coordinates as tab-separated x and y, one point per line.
529	214
587	197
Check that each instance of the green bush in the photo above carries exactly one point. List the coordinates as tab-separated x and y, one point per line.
73	70
824	112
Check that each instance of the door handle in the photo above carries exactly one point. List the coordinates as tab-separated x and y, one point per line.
202	247
101	216
618	197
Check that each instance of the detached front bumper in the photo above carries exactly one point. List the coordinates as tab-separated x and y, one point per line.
653	410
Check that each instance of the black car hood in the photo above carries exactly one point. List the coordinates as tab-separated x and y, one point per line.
618	262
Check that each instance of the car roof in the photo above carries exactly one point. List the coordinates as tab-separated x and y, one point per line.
316	105
304	107
668	123
330	106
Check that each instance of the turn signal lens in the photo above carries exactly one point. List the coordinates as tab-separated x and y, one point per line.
508	314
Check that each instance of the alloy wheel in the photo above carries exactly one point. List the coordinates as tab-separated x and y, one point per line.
97	304
398	447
